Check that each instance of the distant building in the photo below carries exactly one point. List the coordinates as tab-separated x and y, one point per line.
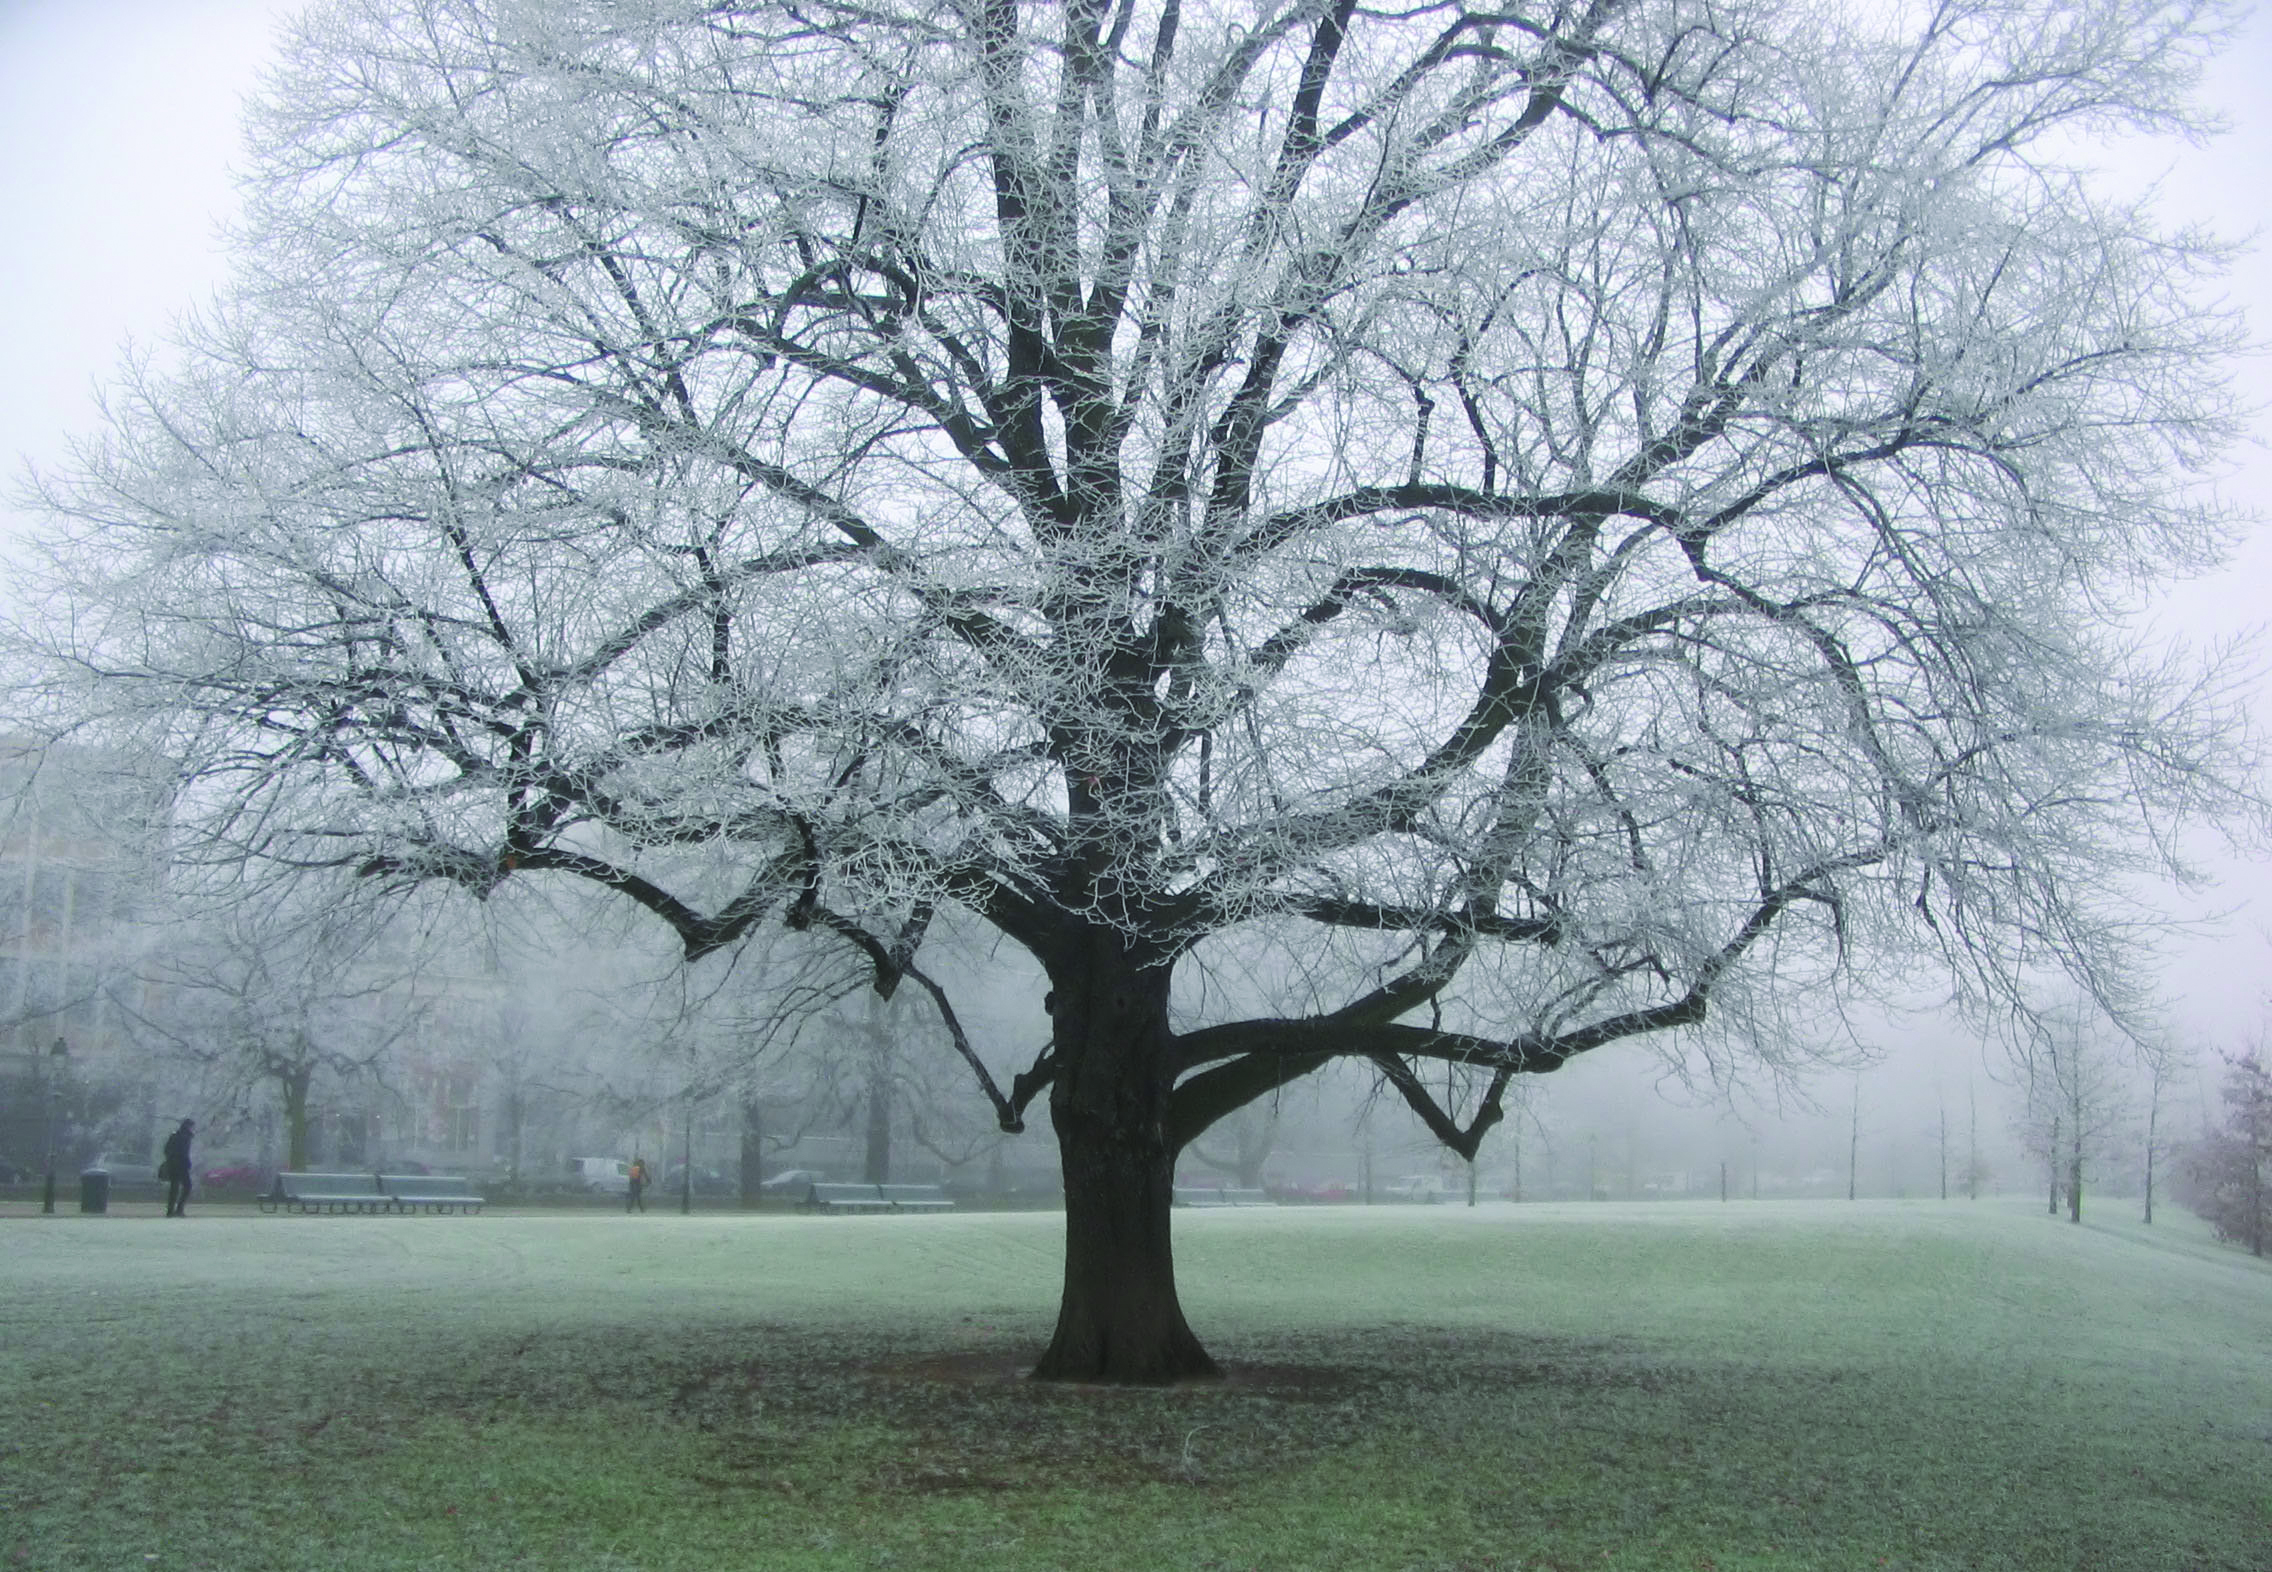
78	866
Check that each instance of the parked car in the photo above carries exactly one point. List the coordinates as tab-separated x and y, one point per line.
601	1175
1425	1188
235	1176
12	1173
707	1181
122	1171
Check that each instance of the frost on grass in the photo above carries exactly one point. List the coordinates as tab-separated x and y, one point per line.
1443	538
1823	1385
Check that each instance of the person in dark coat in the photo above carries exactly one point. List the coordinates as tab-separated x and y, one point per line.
633	1196
175	1169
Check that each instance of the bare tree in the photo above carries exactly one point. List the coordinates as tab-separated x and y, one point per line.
1515	531
1854	1142
1253	1132
2165	1064
1941	1133
284	992
2079	1098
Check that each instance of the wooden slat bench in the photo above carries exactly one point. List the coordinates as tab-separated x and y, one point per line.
332	1194
845	1198
1212	1195
917	1198
876	1198
430	1192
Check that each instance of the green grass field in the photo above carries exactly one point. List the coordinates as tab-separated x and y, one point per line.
1897	1385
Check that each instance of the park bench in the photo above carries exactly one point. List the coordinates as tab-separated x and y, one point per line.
876	1198
916	1198
1217	1195
845	1198
430	1192
309	1194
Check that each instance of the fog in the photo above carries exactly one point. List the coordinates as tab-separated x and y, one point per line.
121	122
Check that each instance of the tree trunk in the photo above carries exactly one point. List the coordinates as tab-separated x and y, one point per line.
1253	1155
1944	1107
753	1150
2256	1204
1972	1149
1119	1320
2153	1119
2054	1166
876	1169
516	1115
294	1085
1854	1144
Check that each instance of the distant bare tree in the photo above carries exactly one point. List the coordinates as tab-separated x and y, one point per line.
284	992
2165	1065
1253	1132
2079	1098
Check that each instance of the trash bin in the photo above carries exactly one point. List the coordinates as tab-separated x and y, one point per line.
94	1190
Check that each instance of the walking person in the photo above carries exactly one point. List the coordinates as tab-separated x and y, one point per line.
175	1169
634	1198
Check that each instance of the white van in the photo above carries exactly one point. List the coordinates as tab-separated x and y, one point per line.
602	1175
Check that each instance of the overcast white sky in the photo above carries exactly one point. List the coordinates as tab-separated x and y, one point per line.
118	120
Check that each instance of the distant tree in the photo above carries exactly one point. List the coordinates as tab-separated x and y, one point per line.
1530	529
281	993
1527	1112
1253	1132
2164	1065
1854	1142
2079	1098
1976	1173
2230	1166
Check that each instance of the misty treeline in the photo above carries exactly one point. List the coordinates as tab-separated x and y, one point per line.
2098	1108
327	1022
1440	539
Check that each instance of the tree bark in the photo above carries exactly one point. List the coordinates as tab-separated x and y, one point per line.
2153	1119
516	1115
2053	1208
876	1167
753	1150
1119	1319
2256	1203
1854	1144
293	1082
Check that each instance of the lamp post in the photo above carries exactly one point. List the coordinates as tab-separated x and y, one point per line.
56	1054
